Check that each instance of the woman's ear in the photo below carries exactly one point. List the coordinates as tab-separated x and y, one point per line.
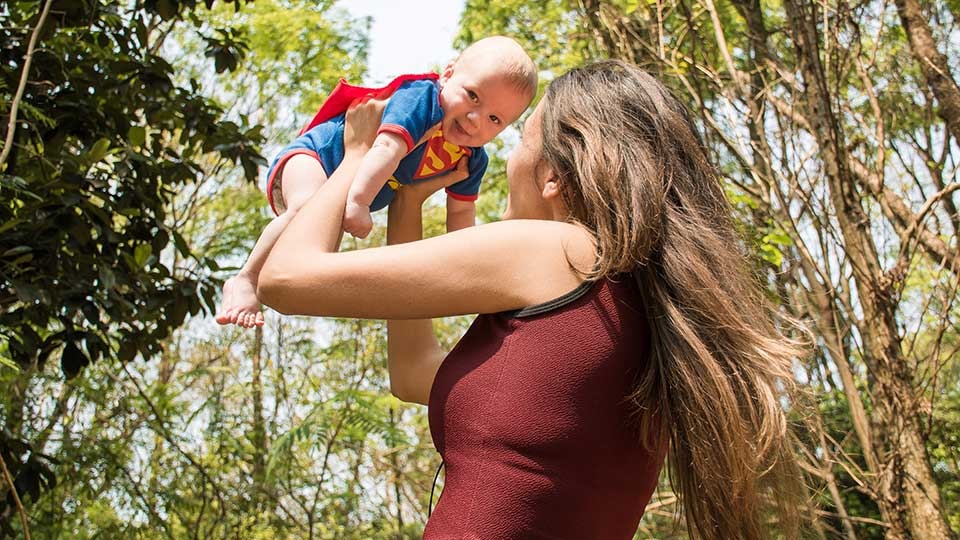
552	199
551	187
546	180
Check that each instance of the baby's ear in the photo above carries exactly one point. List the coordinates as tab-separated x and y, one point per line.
447	72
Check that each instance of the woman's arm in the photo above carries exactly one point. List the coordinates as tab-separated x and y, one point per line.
460	214
485	269
413	353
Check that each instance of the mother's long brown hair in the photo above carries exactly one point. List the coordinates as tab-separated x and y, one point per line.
633	170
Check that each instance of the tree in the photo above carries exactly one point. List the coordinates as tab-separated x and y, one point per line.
211	411
98	140
853	232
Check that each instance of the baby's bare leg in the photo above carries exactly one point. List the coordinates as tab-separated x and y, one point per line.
302	175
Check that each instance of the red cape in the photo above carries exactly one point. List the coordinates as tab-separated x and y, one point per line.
344	94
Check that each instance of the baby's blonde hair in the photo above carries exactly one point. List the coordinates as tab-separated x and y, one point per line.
513	62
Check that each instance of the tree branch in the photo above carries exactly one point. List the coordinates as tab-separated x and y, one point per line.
16	499
933	64
15	105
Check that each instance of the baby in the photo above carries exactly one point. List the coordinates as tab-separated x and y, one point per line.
429	125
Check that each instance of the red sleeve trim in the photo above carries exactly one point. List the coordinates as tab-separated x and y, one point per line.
461	197
279	167
400	131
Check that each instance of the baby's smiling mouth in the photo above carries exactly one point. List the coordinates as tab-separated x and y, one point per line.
459	128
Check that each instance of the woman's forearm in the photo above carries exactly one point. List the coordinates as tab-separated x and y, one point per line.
413	352
461	218
316	228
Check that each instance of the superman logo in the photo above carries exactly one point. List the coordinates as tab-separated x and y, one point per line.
439	156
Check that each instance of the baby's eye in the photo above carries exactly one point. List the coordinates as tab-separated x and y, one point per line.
494	119
473	96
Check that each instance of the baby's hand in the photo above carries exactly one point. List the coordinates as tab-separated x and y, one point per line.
357	220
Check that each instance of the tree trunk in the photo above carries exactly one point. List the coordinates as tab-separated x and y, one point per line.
891	435
902	218
909	497
822	303
934	65
259	438
752	12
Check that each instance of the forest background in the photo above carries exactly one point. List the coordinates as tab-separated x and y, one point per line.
133	141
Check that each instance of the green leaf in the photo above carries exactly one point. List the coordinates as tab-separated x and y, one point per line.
167	9
27	257
27	294
771	254
16	251
180	244
6	362
779	237
137	135
97	151
107	278
142	34
72	360
9	225
127	351
141	254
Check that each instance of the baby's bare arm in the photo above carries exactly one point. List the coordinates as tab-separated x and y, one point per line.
377	166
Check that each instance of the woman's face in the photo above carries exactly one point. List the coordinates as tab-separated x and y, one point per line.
526	174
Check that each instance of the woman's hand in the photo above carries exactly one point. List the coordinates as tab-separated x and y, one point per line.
414	195
362	123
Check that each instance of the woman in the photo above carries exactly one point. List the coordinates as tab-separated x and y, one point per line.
618	322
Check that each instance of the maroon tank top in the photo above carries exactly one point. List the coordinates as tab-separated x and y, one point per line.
530	415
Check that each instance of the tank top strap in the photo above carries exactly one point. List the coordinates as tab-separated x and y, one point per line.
551	305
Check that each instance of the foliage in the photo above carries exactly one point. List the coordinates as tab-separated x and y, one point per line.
128	193
740	68
103	141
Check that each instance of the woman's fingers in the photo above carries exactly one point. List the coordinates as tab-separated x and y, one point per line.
363	120
425	188
461	172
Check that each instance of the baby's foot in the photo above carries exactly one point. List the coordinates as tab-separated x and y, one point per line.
357	220
240	305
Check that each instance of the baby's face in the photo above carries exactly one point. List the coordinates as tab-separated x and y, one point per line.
478	103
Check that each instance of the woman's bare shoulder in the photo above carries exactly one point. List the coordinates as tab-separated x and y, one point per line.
573	240
555	251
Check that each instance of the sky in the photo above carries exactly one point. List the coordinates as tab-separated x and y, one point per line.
399	39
